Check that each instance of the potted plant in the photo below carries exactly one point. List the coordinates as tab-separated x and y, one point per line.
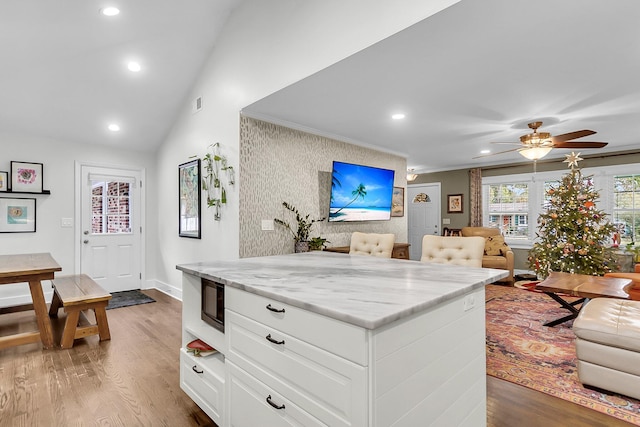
317	243
302	230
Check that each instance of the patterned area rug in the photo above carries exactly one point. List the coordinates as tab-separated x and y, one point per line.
522	351
128	298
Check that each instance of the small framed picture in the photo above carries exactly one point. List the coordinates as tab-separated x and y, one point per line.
454	203
4	181
397	202
17	215
26	177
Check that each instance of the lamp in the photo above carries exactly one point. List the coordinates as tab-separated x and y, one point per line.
535	153
538	144
410	175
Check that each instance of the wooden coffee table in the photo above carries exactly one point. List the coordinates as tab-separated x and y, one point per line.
582	286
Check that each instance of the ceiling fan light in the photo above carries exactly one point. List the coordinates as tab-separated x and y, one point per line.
535	153
411	176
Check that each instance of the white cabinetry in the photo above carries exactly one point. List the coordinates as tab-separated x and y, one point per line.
331	340
278	347
202	378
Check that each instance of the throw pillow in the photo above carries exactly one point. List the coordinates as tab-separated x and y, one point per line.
495	245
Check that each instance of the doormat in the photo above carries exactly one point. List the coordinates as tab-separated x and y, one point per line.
128	298
523	351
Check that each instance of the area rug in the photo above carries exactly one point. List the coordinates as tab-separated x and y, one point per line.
522	351
128	298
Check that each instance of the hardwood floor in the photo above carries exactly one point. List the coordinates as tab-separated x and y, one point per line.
133	380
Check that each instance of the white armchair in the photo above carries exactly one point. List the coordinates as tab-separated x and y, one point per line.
465	251
372	244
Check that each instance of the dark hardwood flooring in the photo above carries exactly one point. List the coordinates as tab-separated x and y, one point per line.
133	380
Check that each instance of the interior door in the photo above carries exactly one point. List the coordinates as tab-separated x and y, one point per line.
423	201
111	227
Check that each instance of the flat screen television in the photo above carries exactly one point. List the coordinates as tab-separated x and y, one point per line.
360	193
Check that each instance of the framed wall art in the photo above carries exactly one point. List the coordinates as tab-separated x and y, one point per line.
397	202
454	203
4	181
26	177
17	215
189	199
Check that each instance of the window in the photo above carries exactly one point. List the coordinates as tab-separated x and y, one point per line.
626	207
110	213
508	209
514	202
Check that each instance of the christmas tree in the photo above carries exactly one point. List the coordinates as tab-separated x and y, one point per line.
573	236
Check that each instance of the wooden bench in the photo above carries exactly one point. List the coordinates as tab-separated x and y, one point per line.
75	294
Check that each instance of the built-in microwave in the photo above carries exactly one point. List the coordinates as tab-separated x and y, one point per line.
213	303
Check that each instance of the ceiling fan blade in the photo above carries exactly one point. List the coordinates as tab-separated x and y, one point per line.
508	143
572	135
495	154
578	144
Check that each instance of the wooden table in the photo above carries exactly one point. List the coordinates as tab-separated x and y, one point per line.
31	268
400	250
582	286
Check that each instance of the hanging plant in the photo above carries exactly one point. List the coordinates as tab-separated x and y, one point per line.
215	166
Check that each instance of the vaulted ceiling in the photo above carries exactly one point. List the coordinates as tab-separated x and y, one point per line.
64	67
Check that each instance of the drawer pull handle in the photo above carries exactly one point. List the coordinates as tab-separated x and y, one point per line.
196	370
273	404
268	337
275	310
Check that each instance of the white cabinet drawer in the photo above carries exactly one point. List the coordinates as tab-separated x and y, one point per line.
337	337
323	384
202	378
249	404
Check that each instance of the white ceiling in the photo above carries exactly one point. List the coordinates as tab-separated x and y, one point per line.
474	73
64	73
479	72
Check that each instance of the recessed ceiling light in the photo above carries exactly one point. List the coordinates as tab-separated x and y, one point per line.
110	11
398	116
485	151
134	66
114	127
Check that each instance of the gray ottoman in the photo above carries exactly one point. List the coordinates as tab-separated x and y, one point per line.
608	345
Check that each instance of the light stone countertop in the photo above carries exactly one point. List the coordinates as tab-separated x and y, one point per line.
365	291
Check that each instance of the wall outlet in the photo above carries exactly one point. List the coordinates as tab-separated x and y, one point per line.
446	221
267	225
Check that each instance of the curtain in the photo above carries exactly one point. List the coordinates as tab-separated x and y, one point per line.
475	197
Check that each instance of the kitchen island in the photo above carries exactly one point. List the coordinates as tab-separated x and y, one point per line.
329	339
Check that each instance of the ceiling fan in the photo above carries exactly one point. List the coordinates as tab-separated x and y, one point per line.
536	145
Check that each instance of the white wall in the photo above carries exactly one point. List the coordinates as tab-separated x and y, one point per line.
265	46
58	158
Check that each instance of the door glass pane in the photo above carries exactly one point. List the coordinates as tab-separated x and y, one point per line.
110	208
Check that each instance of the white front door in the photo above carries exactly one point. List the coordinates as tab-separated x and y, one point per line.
111	228
423	201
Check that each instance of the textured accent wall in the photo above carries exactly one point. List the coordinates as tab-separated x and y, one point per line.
280	164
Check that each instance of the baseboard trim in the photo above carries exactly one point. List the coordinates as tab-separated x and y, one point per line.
165	288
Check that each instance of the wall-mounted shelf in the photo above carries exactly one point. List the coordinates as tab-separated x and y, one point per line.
46	192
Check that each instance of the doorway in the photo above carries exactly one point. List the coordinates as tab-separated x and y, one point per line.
423	215
109	244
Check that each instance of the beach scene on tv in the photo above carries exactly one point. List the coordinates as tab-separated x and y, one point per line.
360	193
